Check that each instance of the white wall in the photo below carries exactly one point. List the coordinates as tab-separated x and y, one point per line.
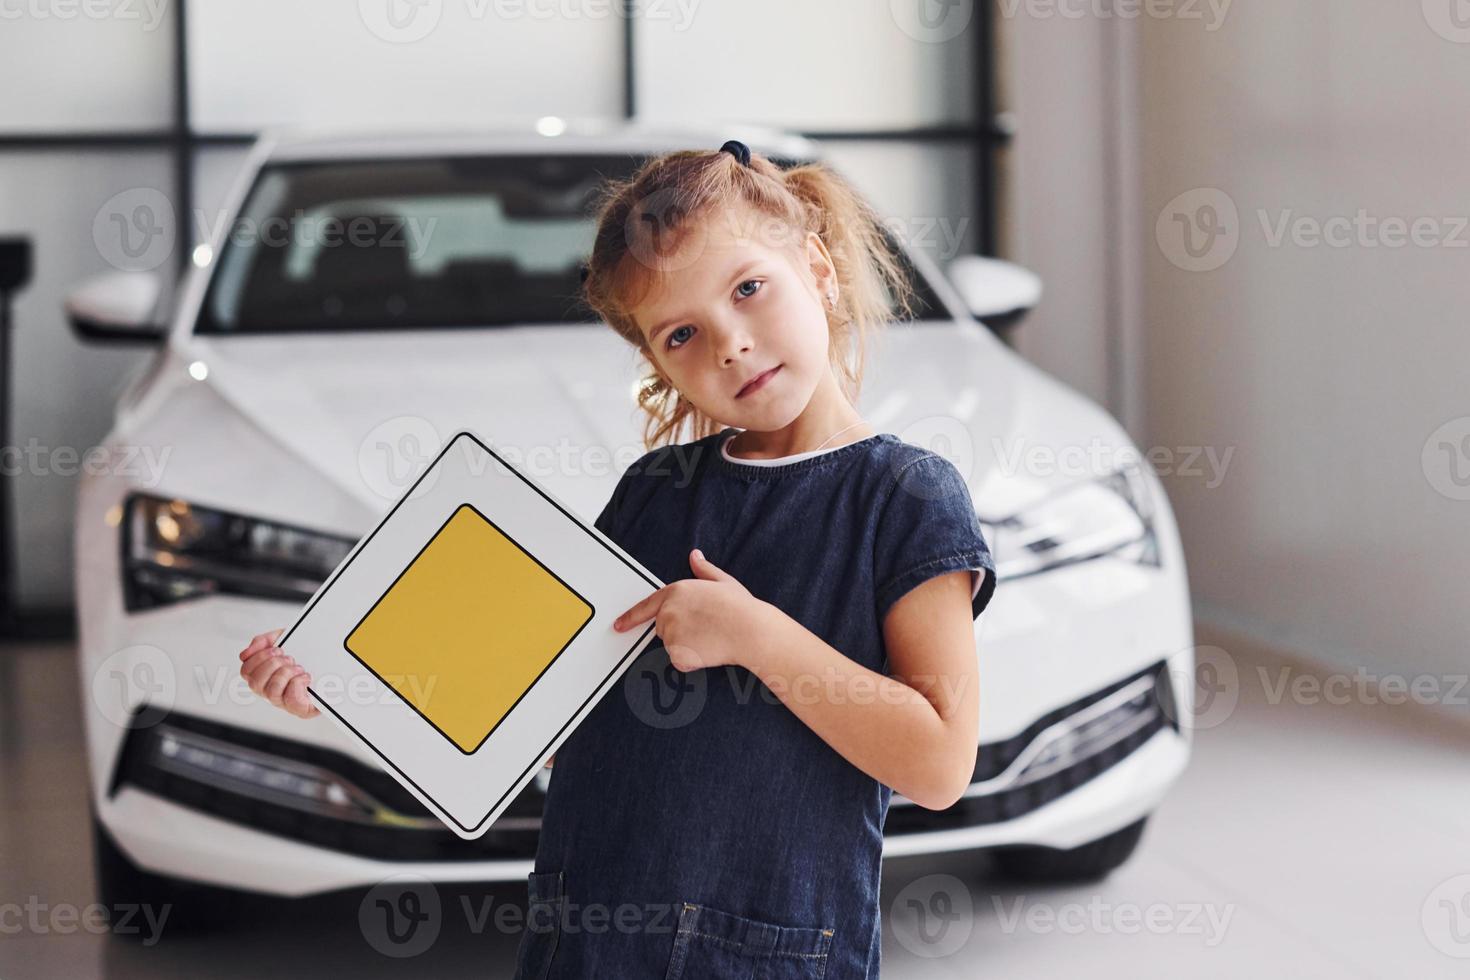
1069	187
1325	369
1334	378
257	63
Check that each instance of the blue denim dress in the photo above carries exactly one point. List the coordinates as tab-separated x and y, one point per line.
693	826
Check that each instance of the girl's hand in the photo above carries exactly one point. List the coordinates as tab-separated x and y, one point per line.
276	677
705	621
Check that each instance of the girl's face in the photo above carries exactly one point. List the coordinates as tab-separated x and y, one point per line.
745	298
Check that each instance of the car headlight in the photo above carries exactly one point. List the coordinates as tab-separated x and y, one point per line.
174	550
1109	516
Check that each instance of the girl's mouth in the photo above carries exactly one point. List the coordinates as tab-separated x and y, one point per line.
757	382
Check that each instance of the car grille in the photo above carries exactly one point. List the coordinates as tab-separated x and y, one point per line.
400	828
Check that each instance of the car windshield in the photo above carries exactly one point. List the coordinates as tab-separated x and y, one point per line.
459	241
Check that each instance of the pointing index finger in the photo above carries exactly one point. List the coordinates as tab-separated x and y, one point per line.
641	611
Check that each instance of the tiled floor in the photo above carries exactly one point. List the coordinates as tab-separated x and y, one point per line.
1306	839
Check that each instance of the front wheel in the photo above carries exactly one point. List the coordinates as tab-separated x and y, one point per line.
1086	862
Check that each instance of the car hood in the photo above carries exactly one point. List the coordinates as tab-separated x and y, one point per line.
558	401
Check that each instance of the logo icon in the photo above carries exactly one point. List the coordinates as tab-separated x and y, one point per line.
1199	230
945	436
396	453
1450	19
133	677
660	234
1446	459
1212	698
932	21
661	695
134	230
933	916
1446	917
400	916
400	21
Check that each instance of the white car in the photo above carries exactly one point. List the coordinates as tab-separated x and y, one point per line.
300	379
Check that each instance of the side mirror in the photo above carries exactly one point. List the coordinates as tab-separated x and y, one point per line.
998	293
117	306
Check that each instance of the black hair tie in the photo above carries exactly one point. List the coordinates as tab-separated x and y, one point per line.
740	151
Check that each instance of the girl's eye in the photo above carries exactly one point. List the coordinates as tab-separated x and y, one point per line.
740	289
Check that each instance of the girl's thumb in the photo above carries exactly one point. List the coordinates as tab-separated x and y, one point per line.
705	568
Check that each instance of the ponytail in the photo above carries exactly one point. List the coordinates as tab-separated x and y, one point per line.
644	222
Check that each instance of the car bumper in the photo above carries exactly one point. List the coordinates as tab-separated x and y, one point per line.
1124	793
171	839
200	829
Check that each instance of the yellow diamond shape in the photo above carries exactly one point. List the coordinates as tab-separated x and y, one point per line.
468	627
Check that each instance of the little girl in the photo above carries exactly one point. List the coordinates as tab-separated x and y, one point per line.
720	813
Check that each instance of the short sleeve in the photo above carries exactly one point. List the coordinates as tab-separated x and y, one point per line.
611	521
604	521
608	521
927	526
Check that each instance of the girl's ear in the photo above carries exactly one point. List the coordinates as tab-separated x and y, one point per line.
820	262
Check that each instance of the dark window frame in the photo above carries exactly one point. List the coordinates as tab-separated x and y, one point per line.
983	133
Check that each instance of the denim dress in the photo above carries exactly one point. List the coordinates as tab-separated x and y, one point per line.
693	826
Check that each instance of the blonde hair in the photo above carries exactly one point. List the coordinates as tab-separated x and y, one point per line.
645	222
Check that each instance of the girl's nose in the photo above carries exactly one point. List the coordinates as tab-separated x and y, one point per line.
733	343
